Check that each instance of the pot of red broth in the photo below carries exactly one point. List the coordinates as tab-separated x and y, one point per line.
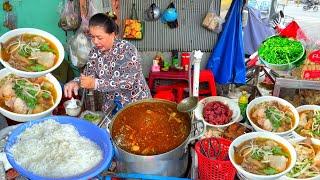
151	137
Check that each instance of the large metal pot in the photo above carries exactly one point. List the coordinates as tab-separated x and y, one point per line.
171	163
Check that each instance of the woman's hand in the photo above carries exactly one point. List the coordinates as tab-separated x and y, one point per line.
87	82
71	87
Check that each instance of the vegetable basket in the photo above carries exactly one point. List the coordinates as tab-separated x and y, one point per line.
273	56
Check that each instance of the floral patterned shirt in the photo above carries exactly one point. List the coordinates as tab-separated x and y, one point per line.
118	72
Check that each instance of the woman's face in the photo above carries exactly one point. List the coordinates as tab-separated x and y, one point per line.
102	40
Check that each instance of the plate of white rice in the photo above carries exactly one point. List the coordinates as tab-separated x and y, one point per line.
59	147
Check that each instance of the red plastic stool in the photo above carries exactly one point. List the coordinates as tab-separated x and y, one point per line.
165	91
165	94
206	76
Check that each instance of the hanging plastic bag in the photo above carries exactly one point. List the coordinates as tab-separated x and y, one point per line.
212	21
69	18
133	27
10	20
79	46
95	7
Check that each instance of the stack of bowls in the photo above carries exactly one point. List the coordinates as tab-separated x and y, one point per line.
27	74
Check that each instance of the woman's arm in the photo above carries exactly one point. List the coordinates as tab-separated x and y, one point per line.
90	67
125	74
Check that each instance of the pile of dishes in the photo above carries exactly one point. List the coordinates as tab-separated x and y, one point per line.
286	144
27	89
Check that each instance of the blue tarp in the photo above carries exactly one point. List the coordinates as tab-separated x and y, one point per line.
227	60
256	31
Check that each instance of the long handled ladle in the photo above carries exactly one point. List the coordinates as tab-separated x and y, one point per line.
190	103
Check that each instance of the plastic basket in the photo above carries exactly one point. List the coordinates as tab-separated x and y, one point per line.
218	169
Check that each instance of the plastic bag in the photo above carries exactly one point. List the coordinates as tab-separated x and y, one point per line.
79	46
69	18
133	27
10	20
95	7
212	21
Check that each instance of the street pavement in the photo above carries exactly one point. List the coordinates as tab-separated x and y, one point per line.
308	20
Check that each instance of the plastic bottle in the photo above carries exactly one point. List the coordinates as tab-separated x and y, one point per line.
243	103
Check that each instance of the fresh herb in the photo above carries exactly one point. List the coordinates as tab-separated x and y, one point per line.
46	95
302	167
25	50
37	68
23	53
46	48
270	171
91	117
274	115
278	151
257	154
29	100
316	123
280	50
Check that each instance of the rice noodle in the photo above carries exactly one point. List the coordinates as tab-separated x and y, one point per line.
55	150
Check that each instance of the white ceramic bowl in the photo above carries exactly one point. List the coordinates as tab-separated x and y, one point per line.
229	102
268	135
28	117
47	35
304	108
314	141
262	99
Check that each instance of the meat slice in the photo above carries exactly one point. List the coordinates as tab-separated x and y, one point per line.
278	162
265	124
10	102
7	90
44	58
20	106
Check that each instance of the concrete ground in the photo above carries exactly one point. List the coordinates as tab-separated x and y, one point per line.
309	20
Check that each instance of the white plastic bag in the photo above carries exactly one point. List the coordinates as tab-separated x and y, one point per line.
95	7
79	46
69	18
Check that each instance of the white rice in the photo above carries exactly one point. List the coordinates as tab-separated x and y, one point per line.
55	150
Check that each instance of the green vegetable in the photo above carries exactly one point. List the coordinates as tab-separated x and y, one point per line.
302	167
280	50
25	51
45	95
91	117
37	68
278	151
46	48
276	117
257	154
30	101
270	171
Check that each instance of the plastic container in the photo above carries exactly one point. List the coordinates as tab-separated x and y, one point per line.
283	67
243	103
85	128
219	169
74	111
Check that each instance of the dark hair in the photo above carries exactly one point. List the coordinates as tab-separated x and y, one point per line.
105	21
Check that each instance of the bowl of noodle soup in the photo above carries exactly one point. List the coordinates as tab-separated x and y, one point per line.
25	99
29	52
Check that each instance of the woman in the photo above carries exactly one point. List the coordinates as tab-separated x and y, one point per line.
114	66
